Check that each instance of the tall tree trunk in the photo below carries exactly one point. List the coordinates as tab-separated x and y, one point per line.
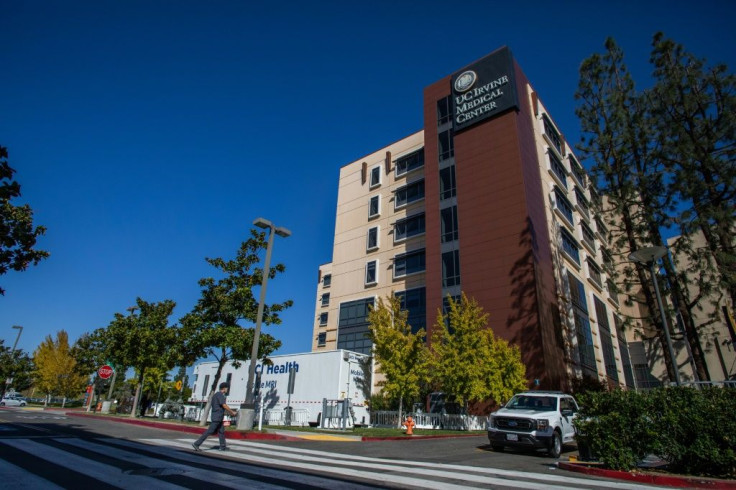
208	406
401	410
137	397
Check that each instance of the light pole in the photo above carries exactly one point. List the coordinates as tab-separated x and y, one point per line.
20	331
247	409
9	380
649	256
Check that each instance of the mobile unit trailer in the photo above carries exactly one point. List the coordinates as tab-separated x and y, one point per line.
322	382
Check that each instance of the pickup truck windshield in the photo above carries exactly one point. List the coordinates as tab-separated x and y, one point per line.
527	402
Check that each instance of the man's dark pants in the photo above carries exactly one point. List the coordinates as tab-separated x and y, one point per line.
215	426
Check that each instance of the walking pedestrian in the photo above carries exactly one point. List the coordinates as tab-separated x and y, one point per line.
219	407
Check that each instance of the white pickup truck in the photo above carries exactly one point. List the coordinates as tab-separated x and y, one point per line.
534	420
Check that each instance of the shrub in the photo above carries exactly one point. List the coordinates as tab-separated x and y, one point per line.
694	430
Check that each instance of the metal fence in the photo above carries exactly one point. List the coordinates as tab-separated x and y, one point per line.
430	420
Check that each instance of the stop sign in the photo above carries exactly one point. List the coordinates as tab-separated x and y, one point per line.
105	371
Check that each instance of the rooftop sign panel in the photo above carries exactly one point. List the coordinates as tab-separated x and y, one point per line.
483	90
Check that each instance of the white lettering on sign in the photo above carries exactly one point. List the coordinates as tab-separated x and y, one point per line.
479	100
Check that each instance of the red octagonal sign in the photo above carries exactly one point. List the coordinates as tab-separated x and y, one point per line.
105	371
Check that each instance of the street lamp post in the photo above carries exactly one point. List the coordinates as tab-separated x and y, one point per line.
9	381
247	409
649	256
20	331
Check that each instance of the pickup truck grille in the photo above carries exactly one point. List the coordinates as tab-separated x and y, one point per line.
515	424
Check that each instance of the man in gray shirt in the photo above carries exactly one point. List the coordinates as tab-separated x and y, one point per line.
219	407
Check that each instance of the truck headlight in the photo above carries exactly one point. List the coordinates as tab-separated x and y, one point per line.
542	424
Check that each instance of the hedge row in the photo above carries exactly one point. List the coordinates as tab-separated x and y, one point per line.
694	430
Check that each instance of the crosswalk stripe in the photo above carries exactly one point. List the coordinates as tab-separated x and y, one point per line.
470	474
15	477
280	450
89	468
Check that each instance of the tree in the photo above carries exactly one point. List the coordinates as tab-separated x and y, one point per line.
694	113
143	341
17	366
618	137
17	234
402	355
468	361
213	327
56	372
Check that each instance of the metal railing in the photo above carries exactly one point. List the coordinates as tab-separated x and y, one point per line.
430	420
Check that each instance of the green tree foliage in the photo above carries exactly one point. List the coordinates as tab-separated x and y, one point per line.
142	340
56	370
468	361
17	233
619	137
693	109
402	355
15	365
213	328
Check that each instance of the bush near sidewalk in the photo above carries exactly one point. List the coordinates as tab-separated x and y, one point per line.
694	430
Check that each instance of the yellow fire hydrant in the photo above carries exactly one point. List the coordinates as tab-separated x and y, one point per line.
409	424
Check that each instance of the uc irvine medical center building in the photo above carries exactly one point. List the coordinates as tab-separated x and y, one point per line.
490	200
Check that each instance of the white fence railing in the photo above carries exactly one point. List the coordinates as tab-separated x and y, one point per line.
430	420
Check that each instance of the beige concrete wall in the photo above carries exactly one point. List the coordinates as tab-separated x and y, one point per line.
352	223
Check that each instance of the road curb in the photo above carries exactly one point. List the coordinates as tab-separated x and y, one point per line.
416	438
664	480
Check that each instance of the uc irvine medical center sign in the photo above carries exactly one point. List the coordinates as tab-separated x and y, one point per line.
483	90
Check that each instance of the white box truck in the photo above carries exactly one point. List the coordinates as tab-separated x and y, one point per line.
322	383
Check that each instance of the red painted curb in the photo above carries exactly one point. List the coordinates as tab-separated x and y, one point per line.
189	429
665	480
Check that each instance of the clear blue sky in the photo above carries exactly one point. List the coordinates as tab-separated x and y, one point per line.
149	134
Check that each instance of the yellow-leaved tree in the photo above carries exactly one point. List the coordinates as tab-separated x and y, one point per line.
468	362
56	372
402	355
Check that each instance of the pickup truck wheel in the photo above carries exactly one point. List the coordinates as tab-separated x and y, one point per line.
555	446
497	447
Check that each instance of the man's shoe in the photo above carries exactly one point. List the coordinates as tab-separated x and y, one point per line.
195	447
224	449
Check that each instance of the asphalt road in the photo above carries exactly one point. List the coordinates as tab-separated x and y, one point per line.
45	449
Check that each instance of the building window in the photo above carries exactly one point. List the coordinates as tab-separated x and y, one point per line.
409	227
409	194
353	326
414	301
444	107
410	162
323	319
327	280
409	263
448	224
326	299
371	272
205	385
372	239
570	246
446	145
594	272
583	334
602	229
448	187
609	357
582	203
558	170
563	206
588	236
375	177
623	348
577	171
322	339
612	291
374	209
450	269
552	134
